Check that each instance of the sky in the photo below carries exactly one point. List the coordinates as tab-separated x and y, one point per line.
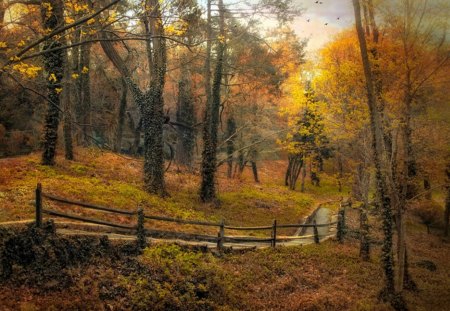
312	23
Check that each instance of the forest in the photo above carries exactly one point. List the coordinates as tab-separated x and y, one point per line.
206	155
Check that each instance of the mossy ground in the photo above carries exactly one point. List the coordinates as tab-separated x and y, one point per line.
107	179
329	276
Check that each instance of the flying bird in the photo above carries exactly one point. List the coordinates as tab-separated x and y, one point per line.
338	18
326	24
308	20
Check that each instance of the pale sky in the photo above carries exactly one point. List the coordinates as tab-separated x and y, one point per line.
326	11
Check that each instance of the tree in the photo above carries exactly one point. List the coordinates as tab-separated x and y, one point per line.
151	102
52	16
377	138
306	139
211	122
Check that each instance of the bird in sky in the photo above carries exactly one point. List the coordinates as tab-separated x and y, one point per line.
326	24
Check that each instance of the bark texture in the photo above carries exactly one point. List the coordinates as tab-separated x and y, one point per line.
52	16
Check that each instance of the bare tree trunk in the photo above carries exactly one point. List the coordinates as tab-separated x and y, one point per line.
255	171
447	202
340	172
447	212
85	96
364	249
427	187
66	98
121	117
185	115
296	163
231	131
302	187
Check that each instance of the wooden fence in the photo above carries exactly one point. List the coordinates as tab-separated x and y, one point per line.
141	232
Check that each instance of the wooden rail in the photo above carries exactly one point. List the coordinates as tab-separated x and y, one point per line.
142	232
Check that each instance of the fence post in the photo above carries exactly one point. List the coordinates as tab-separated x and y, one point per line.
340	232
38	205
274	233
140	230
316	232
221	235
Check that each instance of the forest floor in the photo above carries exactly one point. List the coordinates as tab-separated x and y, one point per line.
114	181
52	272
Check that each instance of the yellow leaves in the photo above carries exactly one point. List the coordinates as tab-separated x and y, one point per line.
176	29
221	38
3	45
78	8
69	20
49	9
26	70
58	90
21	43
90	21
111	18
52	78
84	70
14	58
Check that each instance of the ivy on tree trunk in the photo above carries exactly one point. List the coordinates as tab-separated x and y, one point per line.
52	16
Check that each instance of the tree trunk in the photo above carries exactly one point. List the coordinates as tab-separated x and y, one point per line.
66	98
447	202
152	110
54	67
377	143
296	163
427	187
85	95
447	212
121	117
186	116
207	188
136	128
231	131
302	187
255	171
364	248
150	103
340	172
76	86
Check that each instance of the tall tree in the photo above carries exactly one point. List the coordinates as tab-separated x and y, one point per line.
52	17
150	102
211	123
185	115
383	197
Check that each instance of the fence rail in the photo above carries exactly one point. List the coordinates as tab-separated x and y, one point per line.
142	232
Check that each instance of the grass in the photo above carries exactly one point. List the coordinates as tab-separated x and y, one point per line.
107	179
